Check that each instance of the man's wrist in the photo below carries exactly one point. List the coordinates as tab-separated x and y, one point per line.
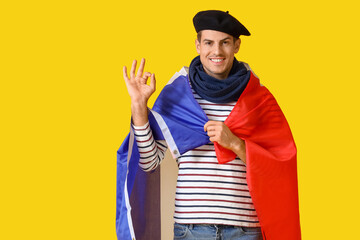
139	103
238	147
139	112
236	144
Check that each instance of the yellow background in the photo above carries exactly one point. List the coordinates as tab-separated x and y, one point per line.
65	109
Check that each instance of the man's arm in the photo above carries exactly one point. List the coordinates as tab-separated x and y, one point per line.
220	133
139	92
151	152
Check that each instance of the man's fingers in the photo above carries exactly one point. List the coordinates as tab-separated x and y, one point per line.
213	139
132	71
206	126
139	76
211	134
147	75
210	123
153	81
144	78
125	74
141	68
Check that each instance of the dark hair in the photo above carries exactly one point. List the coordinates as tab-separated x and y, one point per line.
199	37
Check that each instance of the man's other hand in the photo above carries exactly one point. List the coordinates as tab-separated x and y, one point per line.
220	133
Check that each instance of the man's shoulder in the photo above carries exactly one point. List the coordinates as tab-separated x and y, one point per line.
184	71
249	69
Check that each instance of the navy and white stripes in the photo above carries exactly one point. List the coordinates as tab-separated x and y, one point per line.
151	152
207	192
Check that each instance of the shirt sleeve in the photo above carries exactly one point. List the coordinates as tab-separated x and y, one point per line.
151	152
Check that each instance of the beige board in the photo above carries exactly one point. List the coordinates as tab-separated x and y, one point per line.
169	172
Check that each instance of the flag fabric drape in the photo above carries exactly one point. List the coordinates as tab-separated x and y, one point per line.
178	119
271	163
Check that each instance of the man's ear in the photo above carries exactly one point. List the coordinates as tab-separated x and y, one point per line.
237	45
197	44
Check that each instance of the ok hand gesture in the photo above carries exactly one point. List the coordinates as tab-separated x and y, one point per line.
137	86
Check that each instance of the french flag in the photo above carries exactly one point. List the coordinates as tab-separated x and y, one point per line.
177	118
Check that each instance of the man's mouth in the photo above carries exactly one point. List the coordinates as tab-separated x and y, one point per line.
217	60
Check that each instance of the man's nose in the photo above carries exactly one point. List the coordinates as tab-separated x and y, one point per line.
217	49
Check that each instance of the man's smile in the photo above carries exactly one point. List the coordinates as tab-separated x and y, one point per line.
217	60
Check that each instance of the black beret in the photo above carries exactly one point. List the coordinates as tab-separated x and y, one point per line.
219	21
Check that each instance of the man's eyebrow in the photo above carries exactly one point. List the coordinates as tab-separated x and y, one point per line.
227	38
208	40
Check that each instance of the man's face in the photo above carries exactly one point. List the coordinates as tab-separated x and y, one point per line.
217	50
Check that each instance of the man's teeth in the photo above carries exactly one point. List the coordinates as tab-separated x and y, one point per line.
216	60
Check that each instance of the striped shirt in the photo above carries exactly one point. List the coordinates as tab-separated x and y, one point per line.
207	192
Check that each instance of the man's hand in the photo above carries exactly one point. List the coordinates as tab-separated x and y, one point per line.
136	85
220	133
139	91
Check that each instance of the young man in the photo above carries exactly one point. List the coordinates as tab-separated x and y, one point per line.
222	183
